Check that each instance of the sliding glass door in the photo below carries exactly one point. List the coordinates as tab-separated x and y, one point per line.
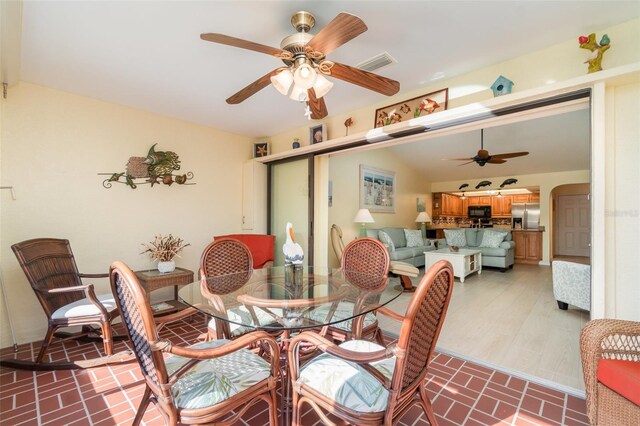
291	200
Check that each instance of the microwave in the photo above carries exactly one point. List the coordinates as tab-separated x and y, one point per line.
479	212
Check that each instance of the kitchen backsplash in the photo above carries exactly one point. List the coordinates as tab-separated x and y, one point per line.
462	221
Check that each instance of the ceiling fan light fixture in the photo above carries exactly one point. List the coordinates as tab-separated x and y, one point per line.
298	94
282	81
305	76
322	86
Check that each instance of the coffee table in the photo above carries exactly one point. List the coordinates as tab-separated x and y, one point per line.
464	261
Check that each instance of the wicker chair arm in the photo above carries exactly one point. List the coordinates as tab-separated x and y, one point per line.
82	288
106	275
177	316
598	340
388	312
244	341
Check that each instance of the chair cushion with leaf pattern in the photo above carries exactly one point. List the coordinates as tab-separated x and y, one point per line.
84	307
215	380
346	382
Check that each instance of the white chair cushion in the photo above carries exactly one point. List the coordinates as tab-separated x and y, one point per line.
346	382
344	310
83	307
241	315
215	380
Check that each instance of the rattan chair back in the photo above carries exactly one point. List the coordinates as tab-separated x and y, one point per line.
137	318
48	264
421	326
225	256
364	259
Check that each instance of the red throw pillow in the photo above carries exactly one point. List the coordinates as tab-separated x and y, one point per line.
622	377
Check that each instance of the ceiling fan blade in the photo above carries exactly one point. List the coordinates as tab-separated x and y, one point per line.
340	30
243	44
468	162
496	160
252	88
365	79
317	105
460	159
509	155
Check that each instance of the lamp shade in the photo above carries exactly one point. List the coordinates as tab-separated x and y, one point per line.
322	86
305	76
363	216
423	217
282	81
298	94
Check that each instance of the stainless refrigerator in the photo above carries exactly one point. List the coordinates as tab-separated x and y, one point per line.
525	215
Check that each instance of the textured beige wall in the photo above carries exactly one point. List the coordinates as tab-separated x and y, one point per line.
344	172
53	146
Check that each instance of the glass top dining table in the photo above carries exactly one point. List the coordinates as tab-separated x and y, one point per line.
289	297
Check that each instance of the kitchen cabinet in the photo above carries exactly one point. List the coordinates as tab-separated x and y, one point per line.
501	206
447	205
451	205
534	197
520	198
479	201
528	246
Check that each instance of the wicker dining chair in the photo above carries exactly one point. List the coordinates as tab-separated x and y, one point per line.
365	264
51	270
199	384
364	383
610	352
228	256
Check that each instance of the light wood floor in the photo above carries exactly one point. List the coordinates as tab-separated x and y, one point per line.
510	320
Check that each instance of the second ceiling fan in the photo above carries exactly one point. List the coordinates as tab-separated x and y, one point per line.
304	56
483	157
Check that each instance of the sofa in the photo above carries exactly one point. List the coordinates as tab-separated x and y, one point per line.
571	284
398	250
498	255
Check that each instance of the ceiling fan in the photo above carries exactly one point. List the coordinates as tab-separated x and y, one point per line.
483	157
304	56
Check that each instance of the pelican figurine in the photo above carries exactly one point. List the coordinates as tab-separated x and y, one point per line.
293	253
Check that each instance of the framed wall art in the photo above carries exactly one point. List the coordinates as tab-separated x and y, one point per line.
377	190
260	149
412	108
317	134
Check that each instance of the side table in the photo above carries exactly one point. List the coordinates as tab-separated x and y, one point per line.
152	280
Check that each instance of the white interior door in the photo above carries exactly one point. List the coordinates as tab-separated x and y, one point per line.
574	225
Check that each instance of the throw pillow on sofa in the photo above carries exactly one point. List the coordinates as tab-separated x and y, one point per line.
492	238
414	237
455	237
386	239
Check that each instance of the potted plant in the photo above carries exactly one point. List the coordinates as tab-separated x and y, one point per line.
164	249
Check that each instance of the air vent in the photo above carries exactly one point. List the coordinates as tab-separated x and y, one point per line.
377	62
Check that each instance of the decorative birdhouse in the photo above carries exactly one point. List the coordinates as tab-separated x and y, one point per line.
502	86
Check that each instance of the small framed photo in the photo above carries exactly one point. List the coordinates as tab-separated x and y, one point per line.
317	134
260	149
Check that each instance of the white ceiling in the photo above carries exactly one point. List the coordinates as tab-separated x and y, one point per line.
555	143
148	54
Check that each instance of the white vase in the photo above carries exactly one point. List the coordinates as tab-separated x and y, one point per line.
168	266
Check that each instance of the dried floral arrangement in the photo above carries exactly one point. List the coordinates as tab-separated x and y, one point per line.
164	248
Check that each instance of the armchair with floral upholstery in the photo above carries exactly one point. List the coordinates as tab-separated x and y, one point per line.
571	284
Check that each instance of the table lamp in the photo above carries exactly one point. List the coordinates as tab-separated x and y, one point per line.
423	217
363	216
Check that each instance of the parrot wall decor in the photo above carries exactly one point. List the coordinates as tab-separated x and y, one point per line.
597	50
158	167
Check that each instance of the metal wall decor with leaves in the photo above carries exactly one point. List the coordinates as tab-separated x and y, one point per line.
158	167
